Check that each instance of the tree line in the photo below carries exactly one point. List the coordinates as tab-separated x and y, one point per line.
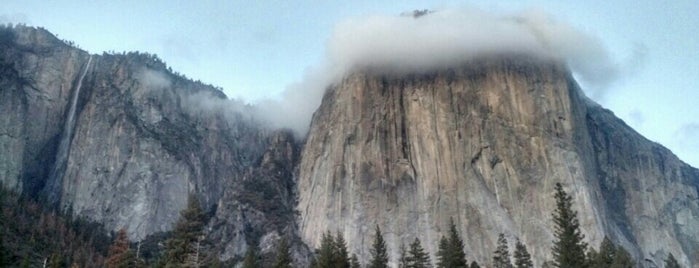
569	249
53	243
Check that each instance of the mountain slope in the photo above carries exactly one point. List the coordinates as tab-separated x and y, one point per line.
484	144
140	140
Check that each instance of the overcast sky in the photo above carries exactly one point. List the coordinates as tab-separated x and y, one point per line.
255	49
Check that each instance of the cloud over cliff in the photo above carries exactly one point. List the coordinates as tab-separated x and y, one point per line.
440	39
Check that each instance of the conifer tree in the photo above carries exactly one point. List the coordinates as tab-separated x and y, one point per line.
443	253
474	264
187	233
457	256
622	259
325	254
283	255
522	257
252	259
610	256
354	262
379	253
417	257
671	262
403	259
501	256
341	254
568	248
120	256
604	257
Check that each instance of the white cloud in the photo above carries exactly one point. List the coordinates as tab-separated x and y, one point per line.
440	39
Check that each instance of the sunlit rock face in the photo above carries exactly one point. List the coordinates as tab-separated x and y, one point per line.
484	143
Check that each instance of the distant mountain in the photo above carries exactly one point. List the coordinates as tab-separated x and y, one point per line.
122	140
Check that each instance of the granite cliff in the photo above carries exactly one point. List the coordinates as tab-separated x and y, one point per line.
484	144
122	140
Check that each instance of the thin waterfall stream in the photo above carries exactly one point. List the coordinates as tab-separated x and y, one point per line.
56	176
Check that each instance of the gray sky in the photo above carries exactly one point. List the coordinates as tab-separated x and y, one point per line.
256	49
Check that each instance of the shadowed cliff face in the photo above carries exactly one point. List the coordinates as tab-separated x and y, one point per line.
143	139
485	143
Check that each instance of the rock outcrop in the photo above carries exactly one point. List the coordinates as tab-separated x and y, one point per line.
484	144
142	139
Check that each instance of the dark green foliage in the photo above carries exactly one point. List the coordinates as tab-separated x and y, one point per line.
379	253
451	250
252	259
403	258
354	262
417	257
325	254
610	256
30	233
501	256
56	261
4	260
456	245
443	253
568	248
622	259
283	255
522	257
474	264
671	262
341	254
186	237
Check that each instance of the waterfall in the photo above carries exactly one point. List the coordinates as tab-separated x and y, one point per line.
56	176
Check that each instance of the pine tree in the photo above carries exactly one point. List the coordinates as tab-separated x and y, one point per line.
622	259
341	254
474	264
457	256
604	257
522	257
354	262
120	256
252	259
417	257
443	253
379	253
610	256
671	262
568	248
403	259
187	233
501	256
283	255
325	255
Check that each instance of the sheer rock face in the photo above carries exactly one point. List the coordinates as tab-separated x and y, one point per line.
144	139
484	144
